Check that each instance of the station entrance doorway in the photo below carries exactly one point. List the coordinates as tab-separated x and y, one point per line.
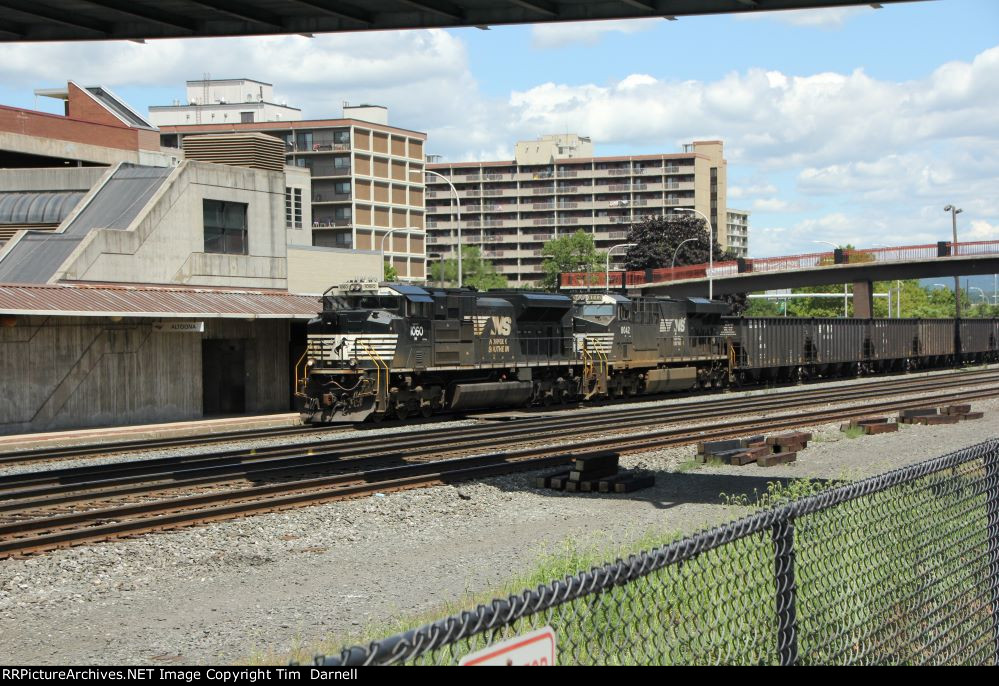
223	376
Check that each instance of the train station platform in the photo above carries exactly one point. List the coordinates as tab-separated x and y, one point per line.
118	434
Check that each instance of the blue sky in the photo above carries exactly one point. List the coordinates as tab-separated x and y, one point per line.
846	125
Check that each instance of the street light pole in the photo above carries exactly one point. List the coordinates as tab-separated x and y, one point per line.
457	222
711	249
675	252
954	211
846	309
607	266
389	233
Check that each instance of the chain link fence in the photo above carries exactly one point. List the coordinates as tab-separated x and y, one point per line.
901	568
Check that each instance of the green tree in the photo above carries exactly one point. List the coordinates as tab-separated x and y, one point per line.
475	271
656	239
390	273
570	253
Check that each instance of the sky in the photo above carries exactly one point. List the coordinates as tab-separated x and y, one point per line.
851	125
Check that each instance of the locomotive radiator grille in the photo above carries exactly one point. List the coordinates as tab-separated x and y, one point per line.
358	347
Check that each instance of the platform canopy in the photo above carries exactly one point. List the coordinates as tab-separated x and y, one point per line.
73	20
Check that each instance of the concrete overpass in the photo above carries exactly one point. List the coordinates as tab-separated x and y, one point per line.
859	267
59	20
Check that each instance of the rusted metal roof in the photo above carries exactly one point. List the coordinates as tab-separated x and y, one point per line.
85	300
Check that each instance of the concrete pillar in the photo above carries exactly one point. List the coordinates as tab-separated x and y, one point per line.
863	299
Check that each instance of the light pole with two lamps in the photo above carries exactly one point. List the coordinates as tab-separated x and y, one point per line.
607	266
389	233
954	211
672	264
457	220
711	248
846	309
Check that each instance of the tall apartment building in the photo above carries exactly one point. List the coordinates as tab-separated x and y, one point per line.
555	186
367	176
738	232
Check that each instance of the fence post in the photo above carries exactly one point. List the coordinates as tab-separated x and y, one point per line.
991	460
787	621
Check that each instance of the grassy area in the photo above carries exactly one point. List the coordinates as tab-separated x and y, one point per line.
891	577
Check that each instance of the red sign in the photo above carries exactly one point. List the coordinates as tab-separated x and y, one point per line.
535	649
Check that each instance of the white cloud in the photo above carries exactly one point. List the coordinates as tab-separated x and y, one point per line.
546	36
873	159
824	18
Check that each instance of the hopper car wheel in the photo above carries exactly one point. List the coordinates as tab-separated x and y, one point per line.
377	417
426	411
401	412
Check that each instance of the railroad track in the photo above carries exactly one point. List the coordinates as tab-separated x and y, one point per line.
89	450
48	510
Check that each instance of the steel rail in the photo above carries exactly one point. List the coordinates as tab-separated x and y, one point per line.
53	532
91	450
175	471
22	499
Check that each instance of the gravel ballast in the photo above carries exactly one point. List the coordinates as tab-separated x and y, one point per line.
265	584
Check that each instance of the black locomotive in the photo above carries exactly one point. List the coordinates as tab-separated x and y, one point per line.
396	350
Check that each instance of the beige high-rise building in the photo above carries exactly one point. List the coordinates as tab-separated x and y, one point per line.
555	186
738	232
367	177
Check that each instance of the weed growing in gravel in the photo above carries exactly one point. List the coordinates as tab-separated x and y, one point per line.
854	432
778	493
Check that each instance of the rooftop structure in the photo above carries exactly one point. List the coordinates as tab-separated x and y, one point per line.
366	179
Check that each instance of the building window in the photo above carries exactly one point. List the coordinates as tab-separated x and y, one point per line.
303	141
225	227
293	207
246	117
341	162
342	137
342	188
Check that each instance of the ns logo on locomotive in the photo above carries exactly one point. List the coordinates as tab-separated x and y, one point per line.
395	350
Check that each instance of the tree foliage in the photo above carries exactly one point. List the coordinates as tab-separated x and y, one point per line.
475	271
570	253
390	272
656	240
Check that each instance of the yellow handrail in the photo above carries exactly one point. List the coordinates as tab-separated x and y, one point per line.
379	364
298	379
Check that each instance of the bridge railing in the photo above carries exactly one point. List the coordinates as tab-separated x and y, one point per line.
896	254
902	253
790	262
975	248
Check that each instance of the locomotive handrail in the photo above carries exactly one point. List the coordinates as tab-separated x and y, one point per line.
379	363
299	388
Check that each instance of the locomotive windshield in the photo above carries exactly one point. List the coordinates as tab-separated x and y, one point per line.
601	310
366	302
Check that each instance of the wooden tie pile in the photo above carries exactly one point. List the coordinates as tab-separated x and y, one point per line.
951	414
765	451
598	473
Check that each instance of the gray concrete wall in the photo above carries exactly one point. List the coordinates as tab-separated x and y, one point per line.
74	372
312	269
166	243
51	179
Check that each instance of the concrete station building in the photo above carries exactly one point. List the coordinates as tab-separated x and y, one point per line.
142	284
556	185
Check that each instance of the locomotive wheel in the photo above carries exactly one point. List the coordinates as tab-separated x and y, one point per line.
401	412
377	417
426	411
